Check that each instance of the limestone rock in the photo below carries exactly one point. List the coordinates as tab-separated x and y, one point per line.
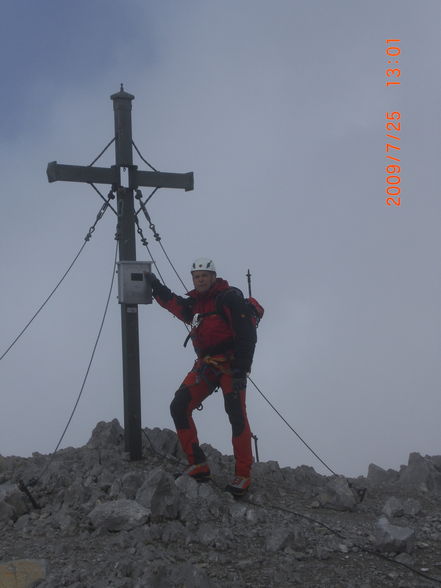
420	474
392	538
435	460
282	537
174	532
412	507
163	441
159	495
119	515
11	495
393	507
337	495
377	475
128	485
106	435
165	576
269	470
7	513
209	534
191	489
108	521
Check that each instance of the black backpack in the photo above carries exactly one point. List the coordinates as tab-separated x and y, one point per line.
256	309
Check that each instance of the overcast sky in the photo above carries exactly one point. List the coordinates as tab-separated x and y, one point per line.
279	110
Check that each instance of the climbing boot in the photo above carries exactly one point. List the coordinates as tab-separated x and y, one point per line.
239	486
198	471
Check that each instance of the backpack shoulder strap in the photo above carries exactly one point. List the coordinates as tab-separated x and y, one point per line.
222	298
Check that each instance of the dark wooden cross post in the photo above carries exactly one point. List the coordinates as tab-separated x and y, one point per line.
122	106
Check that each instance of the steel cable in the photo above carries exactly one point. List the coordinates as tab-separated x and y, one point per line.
87	371
345	538
86	240
93	350
292	429
144	160
157	236
44	303
102	152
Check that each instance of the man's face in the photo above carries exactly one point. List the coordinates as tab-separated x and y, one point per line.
203	280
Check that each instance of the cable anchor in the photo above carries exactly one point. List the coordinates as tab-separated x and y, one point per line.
99	216
152	227
140	233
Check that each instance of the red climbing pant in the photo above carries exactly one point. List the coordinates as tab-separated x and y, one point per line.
203	379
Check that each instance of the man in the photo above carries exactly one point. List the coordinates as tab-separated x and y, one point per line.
224	337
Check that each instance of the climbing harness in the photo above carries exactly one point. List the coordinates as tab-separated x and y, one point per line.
212	364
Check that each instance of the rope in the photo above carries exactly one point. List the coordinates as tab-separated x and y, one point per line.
86	240
102	152
151	225
146	245
109	197
149	197
173	267
87	370
342	536
144	160
157	235
295	432
44	303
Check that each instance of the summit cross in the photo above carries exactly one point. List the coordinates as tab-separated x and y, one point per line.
122	106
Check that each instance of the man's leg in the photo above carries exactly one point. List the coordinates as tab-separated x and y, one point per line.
235	407
191	393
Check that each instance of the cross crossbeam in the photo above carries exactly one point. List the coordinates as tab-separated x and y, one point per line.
78	173
111	175
122	106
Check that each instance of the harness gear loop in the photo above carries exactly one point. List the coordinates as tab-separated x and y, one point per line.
206	363
216	362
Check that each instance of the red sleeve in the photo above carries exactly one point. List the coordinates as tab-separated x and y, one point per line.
181	307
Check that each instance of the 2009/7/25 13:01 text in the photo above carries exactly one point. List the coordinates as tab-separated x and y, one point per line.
393	125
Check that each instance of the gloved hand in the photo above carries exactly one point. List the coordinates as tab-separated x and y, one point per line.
239	381
150	278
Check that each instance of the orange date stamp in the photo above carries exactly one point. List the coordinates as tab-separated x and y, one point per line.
393	129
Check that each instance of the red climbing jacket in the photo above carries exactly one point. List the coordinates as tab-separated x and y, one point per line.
232	333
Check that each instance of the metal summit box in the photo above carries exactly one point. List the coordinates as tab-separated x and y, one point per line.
133	288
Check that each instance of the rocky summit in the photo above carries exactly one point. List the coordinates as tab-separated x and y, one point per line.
89	517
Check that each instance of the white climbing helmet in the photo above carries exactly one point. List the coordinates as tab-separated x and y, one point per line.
203	264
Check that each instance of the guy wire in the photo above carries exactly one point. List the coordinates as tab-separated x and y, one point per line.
86	240
87	370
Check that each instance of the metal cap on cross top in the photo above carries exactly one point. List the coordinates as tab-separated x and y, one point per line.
122	106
